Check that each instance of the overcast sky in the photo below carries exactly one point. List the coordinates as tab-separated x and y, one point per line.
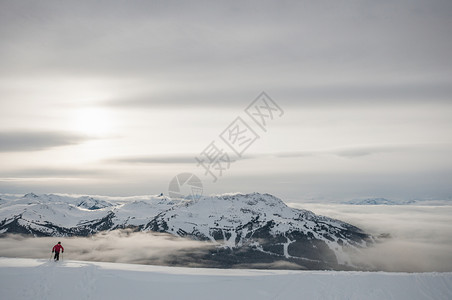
118	97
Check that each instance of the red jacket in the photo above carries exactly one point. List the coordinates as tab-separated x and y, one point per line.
57	248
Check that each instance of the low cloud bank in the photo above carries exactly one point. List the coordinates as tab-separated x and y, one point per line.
122	246
420	236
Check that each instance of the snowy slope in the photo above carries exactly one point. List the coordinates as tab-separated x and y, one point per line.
46	214
41	279
140	212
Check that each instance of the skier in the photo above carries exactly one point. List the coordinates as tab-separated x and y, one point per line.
57	249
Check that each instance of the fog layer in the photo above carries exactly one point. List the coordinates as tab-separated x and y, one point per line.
420	237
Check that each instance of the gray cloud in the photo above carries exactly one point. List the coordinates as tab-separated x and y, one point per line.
353	151
170	159
156	159
49	172
12	141
206	53
359	151
295	96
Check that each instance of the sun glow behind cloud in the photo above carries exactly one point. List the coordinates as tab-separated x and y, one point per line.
122	94
93	121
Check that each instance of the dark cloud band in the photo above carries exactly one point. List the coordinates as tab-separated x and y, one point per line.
17	141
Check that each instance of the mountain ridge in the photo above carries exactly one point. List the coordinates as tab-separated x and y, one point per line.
244	228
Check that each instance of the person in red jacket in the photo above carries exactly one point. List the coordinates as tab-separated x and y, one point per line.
57	248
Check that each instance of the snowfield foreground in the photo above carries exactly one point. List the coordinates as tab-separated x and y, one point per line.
43	279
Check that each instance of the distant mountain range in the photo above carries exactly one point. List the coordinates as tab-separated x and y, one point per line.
245	229
378	201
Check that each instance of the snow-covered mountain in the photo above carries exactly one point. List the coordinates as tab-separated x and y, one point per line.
245	228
